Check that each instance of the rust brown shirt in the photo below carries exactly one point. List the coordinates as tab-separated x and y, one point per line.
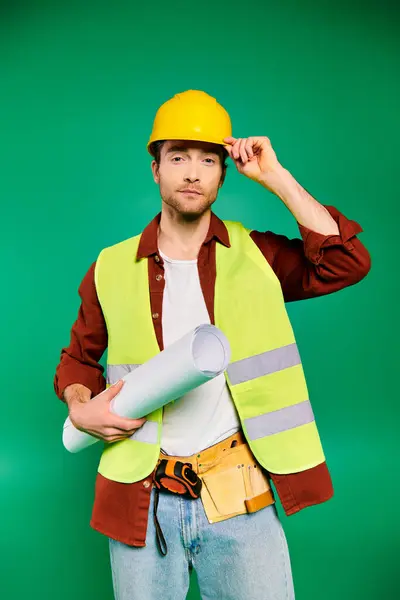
307	267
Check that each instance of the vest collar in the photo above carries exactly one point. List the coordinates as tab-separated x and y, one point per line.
148	244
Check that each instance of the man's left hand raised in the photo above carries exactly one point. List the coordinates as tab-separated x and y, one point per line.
255	158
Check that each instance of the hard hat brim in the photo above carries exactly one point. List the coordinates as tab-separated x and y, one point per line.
186	139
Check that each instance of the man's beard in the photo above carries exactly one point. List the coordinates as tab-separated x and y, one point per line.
189	210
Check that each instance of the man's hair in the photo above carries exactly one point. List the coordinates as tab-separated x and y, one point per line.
155	150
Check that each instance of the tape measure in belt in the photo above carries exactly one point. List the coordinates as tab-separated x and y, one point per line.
178	478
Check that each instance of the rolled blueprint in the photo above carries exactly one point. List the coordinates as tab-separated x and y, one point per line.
194	359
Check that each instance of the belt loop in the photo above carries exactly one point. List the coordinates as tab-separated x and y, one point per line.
159	534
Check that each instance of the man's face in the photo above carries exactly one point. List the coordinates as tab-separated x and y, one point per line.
189	176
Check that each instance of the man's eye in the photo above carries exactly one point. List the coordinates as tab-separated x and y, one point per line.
176	158
212	161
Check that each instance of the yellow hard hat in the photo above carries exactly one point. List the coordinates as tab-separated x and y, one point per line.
191	115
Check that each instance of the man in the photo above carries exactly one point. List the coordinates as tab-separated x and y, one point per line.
238	432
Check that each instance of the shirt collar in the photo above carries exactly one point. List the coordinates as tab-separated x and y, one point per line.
148	244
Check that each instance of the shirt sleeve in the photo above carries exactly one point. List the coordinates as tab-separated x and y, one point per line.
316	264
88	341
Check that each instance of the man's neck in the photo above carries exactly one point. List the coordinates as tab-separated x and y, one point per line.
180	239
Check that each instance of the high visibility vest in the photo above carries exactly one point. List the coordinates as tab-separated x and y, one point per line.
265	375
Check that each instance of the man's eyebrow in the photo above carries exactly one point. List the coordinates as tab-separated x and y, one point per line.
185	149
177	149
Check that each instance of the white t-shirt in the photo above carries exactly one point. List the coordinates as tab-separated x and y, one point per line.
207	414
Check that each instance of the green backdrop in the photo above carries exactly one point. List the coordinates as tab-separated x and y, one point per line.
79	89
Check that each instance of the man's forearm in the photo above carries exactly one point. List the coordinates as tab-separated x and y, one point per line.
76	392
306	210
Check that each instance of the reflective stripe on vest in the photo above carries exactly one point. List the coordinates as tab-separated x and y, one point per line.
116	372
263	364
279	420
239	371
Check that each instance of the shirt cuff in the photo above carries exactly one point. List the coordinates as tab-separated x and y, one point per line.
78	373
314	242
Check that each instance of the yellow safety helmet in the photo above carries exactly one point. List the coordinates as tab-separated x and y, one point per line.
191	115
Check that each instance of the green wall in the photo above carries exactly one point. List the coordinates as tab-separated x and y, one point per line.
79	86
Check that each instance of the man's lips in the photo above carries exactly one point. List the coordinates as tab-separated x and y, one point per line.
189	191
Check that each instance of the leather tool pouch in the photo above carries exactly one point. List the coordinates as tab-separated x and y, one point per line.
234	484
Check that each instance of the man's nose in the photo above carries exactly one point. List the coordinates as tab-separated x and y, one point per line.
191	179
191	173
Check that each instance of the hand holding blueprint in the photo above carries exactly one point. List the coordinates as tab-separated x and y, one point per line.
197	357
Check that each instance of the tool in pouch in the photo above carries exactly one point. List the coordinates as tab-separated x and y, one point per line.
178	478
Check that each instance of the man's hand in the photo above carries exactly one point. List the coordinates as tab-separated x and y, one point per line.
94	417
255	158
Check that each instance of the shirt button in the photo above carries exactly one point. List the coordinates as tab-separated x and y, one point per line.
157	258
158	277
155	315
146	484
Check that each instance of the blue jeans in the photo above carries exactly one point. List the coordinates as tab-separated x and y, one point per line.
242	558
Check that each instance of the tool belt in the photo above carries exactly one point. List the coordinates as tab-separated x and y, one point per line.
226	476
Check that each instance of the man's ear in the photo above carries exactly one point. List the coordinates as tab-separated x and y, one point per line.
156	171
221	181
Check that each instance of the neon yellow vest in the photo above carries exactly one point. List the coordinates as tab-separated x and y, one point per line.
265	375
